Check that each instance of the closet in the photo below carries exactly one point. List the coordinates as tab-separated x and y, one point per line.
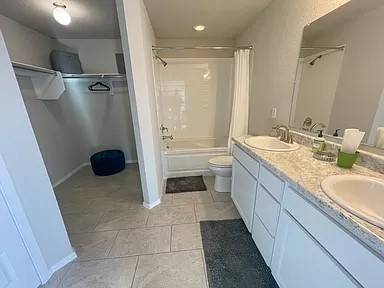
82	108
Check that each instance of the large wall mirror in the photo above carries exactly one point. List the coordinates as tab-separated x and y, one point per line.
340	75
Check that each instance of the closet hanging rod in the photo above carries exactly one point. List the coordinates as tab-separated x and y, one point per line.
33	68
202	47
99	76
341	48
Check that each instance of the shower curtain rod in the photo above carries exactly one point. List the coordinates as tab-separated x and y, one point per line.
202	47
324	47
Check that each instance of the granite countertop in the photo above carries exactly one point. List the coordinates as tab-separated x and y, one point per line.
304	174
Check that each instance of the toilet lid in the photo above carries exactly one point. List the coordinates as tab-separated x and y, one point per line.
221	161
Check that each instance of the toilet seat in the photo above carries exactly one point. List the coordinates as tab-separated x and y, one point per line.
221	161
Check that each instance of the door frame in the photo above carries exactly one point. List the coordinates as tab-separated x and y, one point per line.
20	219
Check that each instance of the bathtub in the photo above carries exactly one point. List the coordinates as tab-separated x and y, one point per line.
190	157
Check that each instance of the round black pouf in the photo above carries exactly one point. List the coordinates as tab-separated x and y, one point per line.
108	162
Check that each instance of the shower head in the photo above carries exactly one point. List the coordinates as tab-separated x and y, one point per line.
314	60
161	60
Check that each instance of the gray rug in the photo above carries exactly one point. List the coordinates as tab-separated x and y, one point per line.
232	258
185	184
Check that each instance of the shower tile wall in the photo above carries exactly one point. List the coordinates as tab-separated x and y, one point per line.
194	96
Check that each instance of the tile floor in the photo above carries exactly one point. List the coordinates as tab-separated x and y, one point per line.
120	244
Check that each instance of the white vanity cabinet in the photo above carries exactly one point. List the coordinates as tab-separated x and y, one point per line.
300	262
302	245
244	185
318	252
257	193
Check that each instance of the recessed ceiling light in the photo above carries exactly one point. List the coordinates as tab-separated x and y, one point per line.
61	14
199	28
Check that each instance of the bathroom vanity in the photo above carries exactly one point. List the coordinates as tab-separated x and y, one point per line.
306	239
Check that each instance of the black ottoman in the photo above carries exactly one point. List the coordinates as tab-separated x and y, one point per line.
108	162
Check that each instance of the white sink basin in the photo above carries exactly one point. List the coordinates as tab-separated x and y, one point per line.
360	195
270	144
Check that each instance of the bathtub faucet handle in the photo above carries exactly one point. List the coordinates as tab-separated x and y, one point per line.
162	128
167	137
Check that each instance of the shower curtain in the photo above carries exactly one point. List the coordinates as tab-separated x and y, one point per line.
240	106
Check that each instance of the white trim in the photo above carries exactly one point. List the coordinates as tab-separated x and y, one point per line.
74	171
152	205
67	259
131	162
22	224
67	176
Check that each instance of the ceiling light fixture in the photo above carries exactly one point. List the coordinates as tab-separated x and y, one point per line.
61	14
199	28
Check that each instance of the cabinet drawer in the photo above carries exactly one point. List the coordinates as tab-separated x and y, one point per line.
272	183
365	267
247	161
263	240
268	210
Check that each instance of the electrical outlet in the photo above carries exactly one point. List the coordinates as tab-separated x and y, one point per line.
274	113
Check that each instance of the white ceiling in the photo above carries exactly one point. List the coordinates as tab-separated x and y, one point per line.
175	19
339	16
169	18
90	18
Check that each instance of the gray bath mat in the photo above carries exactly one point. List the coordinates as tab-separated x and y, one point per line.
185	184
232	258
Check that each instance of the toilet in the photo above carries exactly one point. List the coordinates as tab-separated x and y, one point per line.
221	166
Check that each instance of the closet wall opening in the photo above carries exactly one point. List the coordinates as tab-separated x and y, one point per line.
74	88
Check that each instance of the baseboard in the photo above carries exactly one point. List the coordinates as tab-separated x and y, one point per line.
152	205
126	162
63	262
61	180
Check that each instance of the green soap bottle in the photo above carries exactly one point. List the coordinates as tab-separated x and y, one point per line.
319	143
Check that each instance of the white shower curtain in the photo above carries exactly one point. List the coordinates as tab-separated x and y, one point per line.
239	117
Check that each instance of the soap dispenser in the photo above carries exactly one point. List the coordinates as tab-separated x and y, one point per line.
336	134
319	142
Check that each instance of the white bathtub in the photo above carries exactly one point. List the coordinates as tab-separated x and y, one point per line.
190	157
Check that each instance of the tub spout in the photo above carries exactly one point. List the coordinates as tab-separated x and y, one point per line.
167	137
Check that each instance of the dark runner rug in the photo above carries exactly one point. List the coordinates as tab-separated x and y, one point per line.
185	184
232	258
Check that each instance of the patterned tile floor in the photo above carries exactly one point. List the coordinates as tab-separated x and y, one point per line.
120	244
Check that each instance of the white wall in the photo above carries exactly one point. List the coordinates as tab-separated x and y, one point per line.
80	123
104	120
96	55
24	44
195	53
195	96
56	127
317	88
26	167
69	130
137	38
277	33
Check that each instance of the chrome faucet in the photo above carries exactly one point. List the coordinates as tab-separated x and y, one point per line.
322	125
162	128
285	135
170	137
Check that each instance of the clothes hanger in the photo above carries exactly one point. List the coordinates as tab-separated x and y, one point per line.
105	88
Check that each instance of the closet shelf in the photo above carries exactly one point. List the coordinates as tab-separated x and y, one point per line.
48	84
98	76
33	68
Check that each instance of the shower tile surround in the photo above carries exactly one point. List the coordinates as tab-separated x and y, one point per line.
194	96
305	174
